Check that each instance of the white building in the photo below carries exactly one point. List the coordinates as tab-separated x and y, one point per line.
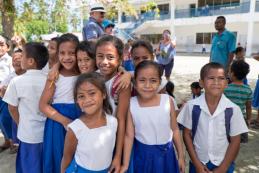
192	22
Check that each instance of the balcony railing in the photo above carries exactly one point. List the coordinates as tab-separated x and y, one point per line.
257	6
213	10
146	16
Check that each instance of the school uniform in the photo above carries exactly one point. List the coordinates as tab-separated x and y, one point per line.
54	133
210	140
255	102
95	146
5	66
153	146
7	125
25	94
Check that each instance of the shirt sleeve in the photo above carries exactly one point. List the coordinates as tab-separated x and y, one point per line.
237	123
11	95
90	32
232	43
184	117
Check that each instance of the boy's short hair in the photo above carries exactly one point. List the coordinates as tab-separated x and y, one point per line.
196	85
205	69
240	69
239	49
38	52
222	17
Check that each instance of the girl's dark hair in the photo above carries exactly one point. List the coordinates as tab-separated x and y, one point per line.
88	47
166	30
170	88
56	39
67	38
142	43
145	64
38	52
117	43
98	81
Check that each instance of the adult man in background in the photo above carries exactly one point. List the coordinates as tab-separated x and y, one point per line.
94	29
223	44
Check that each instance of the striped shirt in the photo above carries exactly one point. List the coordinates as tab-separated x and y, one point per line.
239	94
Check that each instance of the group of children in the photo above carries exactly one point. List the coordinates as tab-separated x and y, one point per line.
90	115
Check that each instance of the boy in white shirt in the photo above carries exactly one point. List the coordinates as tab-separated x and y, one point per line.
22	95
213	125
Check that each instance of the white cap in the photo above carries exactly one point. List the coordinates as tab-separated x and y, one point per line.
97	7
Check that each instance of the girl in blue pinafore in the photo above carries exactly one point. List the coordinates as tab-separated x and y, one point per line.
255	103
90	139
152	122
57	103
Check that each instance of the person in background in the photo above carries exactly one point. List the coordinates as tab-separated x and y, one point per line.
108	26
196	90
255	103
223	44
94	29
165	54
240	53
18	42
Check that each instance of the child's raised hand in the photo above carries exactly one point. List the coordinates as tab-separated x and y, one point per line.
122	82
181	163
54	72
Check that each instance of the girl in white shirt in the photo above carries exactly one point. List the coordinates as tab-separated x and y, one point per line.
152	122
90	139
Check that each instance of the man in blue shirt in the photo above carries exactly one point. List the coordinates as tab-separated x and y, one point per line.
94	29
223	44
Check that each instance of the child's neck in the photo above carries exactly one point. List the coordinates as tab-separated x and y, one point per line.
94	120
108	77
149	102
19	72
237	82
66	72
52	62
212	102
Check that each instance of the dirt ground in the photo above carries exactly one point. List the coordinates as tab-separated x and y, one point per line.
186	70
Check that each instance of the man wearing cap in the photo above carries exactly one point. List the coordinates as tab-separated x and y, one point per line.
94	29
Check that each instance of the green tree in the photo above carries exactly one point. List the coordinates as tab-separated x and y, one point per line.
59	17
7	10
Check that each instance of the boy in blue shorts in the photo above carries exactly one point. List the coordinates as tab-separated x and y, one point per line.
213	125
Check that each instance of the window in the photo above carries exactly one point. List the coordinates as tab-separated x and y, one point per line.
204	38
163	8
202	3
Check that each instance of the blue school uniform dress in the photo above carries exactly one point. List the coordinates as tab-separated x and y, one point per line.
210	140
54	133
95	146
153	146
25	95
256	95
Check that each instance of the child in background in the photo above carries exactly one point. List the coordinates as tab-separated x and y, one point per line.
5	69
239	93
213	125
57	104
92	136
53	59
86	57
9	125
255	123
240	53
109	52
127	61
196	90
152	122
22	96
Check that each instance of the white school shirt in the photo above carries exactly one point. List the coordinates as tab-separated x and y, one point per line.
64	89
46	69
152	124
210	141
95	147
25	91
5	66
8	79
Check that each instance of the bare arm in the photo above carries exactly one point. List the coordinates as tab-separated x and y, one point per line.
14	113
248	112
177	137
128	143
47	109
121	114
230	155
187	137
69	150
230	59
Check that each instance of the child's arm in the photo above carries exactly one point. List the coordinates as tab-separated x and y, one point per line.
248	112
69	150
48	110
128	143
230	155
121	114
14	113
123	81
187	137
177	138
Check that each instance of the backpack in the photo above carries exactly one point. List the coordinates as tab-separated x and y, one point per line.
196	111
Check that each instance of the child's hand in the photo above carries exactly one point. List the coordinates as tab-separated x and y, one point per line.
123	169
202	169
181	163
218	170
54	72
66	122
122	82
115	166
